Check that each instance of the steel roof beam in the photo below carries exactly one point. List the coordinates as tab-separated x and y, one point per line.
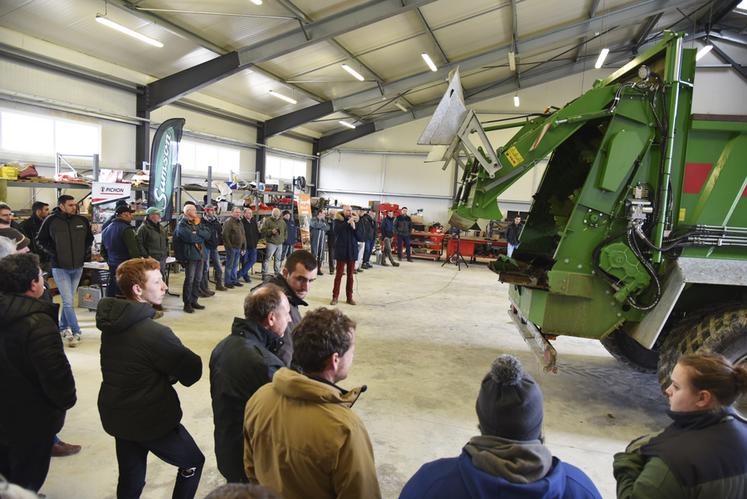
592	13
645	30
741	70
621	16
170	88
432	36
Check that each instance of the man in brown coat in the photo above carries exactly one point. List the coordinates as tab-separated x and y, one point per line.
301	438
234	240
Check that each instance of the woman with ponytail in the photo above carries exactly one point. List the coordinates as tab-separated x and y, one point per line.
703	453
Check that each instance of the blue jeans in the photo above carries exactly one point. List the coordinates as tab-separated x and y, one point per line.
368	250
212	259
232	262
67	282
510	249
272	250
192	281
287	250
247	262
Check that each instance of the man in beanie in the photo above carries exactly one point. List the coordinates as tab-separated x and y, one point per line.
509	458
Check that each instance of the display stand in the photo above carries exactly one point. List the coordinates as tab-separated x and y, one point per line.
456	258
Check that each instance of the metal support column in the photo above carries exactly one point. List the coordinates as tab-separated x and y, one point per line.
315	163
142	133
261	152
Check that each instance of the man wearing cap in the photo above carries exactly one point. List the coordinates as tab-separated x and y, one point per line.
509	458
152	238
118	244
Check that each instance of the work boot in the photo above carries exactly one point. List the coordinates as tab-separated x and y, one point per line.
188	308
395	264
350	301
384	264
229	286
331	271
409	259
63	449
219	285
333	302
197	306
238	284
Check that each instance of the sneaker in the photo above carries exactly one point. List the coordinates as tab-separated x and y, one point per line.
62	449
331	271
75	341
238	284
197	306
350	301
188	308
67	337
333	302
319	272
384	264
395	264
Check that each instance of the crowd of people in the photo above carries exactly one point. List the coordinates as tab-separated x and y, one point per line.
283	426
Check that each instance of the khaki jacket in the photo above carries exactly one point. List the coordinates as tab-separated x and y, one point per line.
233	234
270	223
302	440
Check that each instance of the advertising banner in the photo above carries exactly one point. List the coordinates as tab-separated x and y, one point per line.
102	192
304	219
164	156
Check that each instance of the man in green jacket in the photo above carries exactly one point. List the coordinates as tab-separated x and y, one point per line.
275	231
152	237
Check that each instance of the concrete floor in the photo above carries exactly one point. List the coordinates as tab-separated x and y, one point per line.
426	336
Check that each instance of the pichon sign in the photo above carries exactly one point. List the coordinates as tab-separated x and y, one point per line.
102	193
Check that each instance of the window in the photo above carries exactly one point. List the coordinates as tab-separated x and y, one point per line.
37	136
195	157
278	167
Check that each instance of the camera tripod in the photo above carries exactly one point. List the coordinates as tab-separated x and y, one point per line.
457	258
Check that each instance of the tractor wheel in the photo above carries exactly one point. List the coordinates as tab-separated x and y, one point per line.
628	351
722	331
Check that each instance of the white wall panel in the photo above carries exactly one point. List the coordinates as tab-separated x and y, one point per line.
290	144
410	174
351	172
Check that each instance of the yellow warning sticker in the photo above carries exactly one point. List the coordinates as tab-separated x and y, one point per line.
514	156
683	214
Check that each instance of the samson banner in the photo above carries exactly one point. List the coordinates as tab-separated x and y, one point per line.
163	159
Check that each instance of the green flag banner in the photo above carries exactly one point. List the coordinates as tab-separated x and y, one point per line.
164	155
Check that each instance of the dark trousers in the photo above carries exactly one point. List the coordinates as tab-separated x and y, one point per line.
213	260
176	448
192	280
403	240
112	289
349	268
26	462
368	250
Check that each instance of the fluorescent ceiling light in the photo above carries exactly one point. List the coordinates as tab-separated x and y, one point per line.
742	5
429	61
349	125
127	31
517	102
703	51
401	106
283	97
353	72
512	61
257	2
601	58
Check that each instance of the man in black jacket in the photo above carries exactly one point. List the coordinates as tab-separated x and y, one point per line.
369	237
403	229
36	383
295	280
239	366
512	235
211	249
251	232
67	239
140	360
118	244
30	227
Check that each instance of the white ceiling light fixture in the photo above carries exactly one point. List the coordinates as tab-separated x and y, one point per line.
283	97
602	56
512	61
257	2
127	31
401	107
349	125
703	51
429	62
353	72
517	102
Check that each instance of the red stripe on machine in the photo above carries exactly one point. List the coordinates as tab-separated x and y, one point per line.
696	175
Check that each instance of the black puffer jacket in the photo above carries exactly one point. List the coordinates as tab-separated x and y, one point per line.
140	360
36	383
239	365
67	239
285	349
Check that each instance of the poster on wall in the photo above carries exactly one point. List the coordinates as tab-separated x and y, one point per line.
164	156
304	219
106	192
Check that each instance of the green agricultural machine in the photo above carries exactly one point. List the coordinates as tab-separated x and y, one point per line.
637	235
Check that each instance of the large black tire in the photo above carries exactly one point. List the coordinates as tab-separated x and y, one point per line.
721	331
628	351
